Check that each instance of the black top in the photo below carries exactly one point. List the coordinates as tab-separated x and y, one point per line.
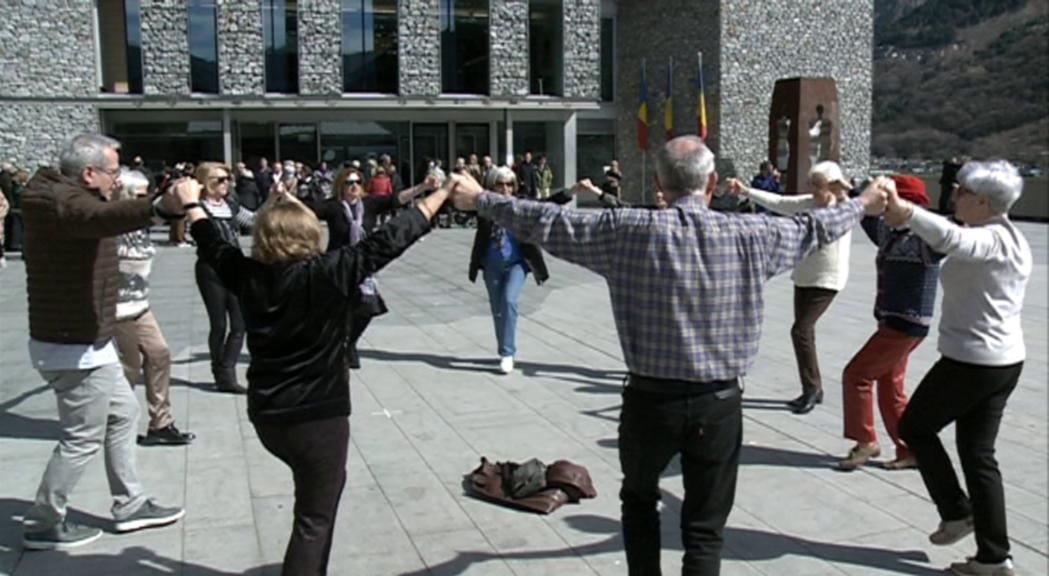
295	316
333	211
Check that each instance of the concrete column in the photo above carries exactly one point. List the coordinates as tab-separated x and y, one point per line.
571	139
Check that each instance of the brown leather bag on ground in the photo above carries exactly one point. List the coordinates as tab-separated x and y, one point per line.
569	483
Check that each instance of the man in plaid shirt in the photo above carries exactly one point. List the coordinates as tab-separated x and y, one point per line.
687	295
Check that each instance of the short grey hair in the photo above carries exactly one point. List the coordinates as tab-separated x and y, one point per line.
499	174
130	181
998	181
684	165
85	150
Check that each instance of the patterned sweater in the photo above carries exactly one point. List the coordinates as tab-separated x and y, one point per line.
908	271
135	254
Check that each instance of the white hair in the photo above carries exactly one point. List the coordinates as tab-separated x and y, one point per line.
85	150
499	174
131	180
684	165
998	181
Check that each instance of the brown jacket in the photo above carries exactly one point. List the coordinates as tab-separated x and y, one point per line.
71	257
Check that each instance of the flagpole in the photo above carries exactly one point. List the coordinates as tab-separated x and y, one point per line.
644	151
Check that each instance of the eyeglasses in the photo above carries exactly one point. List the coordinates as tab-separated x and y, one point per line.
111	173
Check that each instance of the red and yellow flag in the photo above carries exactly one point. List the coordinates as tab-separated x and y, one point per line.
642	112
701	104
668	102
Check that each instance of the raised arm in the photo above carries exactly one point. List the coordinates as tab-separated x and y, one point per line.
978	244
223	257
584	238
778	203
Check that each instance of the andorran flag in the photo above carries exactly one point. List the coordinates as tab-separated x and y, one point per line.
701	104
668	103
642	112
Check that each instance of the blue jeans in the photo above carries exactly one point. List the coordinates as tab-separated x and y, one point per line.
504	284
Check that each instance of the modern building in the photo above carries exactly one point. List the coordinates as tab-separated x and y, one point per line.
332	80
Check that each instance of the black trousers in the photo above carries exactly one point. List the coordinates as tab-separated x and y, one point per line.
706	429
316	453
223	310
809	305
973	397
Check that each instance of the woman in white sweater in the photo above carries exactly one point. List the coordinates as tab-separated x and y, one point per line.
817	279
984	278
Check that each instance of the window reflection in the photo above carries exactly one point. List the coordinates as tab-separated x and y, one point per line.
203	47
369	46
608	43
464	46
545	51
280	36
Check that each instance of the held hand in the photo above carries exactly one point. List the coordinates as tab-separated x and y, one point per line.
465	192
432	182
897	211
875	197
585	185
736	187
184	191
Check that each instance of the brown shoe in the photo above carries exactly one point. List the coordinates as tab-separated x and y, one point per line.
859	455
905	463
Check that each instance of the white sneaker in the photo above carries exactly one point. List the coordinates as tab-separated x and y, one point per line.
506	364
973	568
3	261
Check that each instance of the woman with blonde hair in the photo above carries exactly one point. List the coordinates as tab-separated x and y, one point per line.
296	300
222	305
817	279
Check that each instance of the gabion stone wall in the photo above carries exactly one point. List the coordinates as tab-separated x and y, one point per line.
242	67
320	47
39	42
165	47
508	47
31	135
582	43
693	28
419	37
806	38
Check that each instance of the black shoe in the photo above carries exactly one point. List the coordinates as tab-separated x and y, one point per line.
149	515
229	386
806	402
167	436
61	536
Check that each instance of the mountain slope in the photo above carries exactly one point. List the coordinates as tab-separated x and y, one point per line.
967	77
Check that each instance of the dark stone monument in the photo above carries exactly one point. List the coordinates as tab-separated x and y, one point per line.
804	128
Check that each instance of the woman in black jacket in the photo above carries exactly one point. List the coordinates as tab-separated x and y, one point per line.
295	302
350	215
505	262
222	305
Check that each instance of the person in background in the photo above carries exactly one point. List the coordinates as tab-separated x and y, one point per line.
766	179
506	262
247	189
544	178
818	279
264	178
984	277
908	270
527	177
474	169
380	184
948	180
296	301
139	341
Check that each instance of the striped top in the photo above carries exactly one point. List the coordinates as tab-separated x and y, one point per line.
686	282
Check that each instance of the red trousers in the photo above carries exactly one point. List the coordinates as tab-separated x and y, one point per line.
882	360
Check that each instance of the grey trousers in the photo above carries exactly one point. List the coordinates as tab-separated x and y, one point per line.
95	407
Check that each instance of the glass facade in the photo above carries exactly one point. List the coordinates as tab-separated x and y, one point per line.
608	55
297	142
429	142
369	46
471	139
358	140
120	46
133	20
464	46
203	47
280	36
545	47
161	141
257	140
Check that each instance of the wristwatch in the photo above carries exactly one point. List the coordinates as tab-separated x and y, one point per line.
190	205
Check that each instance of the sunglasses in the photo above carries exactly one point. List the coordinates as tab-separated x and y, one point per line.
509	183
221	179
353	181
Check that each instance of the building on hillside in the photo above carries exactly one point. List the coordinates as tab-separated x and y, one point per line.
333	80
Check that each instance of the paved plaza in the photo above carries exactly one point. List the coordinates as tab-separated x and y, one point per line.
428	403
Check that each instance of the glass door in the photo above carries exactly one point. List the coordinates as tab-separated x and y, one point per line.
429	142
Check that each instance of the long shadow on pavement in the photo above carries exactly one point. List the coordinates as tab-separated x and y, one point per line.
26	427
565	372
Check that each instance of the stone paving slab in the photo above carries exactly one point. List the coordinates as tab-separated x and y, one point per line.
429	402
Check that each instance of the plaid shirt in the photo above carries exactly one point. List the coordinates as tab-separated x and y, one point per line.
686	282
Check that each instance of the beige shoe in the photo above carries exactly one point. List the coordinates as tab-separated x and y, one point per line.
905	463
951	531
859	455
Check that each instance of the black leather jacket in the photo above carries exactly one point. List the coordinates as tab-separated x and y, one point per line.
295	316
